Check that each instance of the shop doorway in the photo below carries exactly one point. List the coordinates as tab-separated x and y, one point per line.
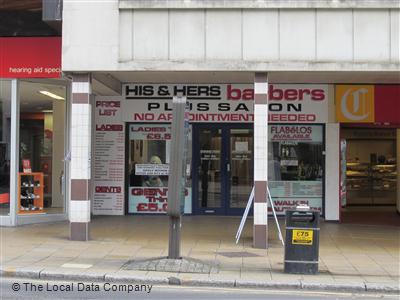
370	176
222	168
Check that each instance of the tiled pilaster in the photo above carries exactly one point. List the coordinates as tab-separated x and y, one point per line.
79	205
260	231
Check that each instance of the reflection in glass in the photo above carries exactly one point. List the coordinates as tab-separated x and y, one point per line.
241	170
42	135
149	150
149	154
295	165
209	172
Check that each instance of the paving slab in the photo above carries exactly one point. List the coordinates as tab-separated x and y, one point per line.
353	258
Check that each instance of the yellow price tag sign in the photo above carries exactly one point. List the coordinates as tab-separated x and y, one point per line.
302	237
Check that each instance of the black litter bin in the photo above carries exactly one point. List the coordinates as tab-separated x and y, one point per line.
302	241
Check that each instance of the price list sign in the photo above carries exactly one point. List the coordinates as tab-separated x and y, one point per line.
109	157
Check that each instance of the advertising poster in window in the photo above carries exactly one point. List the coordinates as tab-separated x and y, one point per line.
109	157
295	168
149	153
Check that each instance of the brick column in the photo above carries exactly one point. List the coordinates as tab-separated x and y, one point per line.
260	230
80	134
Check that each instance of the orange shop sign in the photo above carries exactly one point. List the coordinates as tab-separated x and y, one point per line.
355	103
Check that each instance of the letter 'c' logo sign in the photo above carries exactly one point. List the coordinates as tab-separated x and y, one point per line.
355	103
358	105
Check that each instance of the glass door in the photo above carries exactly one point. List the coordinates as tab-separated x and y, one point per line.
240	170
222	168
208	177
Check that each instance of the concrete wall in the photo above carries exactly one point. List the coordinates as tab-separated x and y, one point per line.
90	35
112	35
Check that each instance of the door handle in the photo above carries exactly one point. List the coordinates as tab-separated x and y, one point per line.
228	167
62	182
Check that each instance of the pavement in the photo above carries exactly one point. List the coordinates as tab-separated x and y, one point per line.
353	258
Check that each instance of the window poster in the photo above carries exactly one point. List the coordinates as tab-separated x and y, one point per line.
295	166
148	169
109	157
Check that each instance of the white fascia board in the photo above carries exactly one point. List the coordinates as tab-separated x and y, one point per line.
251	66
255	4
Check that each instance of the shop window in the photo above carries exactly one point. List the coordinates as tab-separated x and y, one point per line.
149	153
42	146
371	167
5	130
295	168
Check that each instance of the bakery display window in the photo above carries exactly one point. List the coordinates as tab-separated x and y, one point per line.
371	167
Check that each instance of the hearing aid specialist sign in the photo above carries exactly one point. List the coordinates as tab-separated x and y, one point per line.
109	157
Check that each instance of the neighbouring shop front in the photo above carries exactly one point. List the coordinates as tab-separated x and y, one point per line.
132	146
33	139
370	122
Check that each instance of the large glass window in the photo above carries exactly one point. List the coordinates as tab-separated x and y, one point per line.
41	182
5	130
149	152
295	168
371	175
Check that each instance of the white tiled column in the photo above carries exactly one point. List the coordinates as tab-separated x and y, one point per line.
260	231
332	172
79	202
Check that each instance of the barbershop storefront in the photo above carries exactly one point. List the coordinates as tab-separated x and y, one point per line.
132	136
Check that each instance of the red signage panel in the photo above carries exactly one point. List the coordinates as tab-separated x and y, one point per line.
387	104
30	57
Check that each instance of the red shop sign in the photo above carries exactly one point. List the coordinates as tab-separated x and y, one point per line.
387	103
30	57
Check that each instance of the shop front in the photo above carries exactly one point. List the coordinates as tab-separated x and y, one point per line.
33	139
369	117
132	148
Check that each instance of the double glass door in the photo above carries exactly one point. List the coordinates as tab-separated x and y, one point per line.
222	168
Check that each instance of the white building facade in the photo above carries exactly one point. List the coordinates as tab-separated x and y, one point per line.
127	59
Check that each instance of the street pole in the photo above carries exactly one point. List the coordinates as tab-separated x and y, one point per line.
177	174
174	247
